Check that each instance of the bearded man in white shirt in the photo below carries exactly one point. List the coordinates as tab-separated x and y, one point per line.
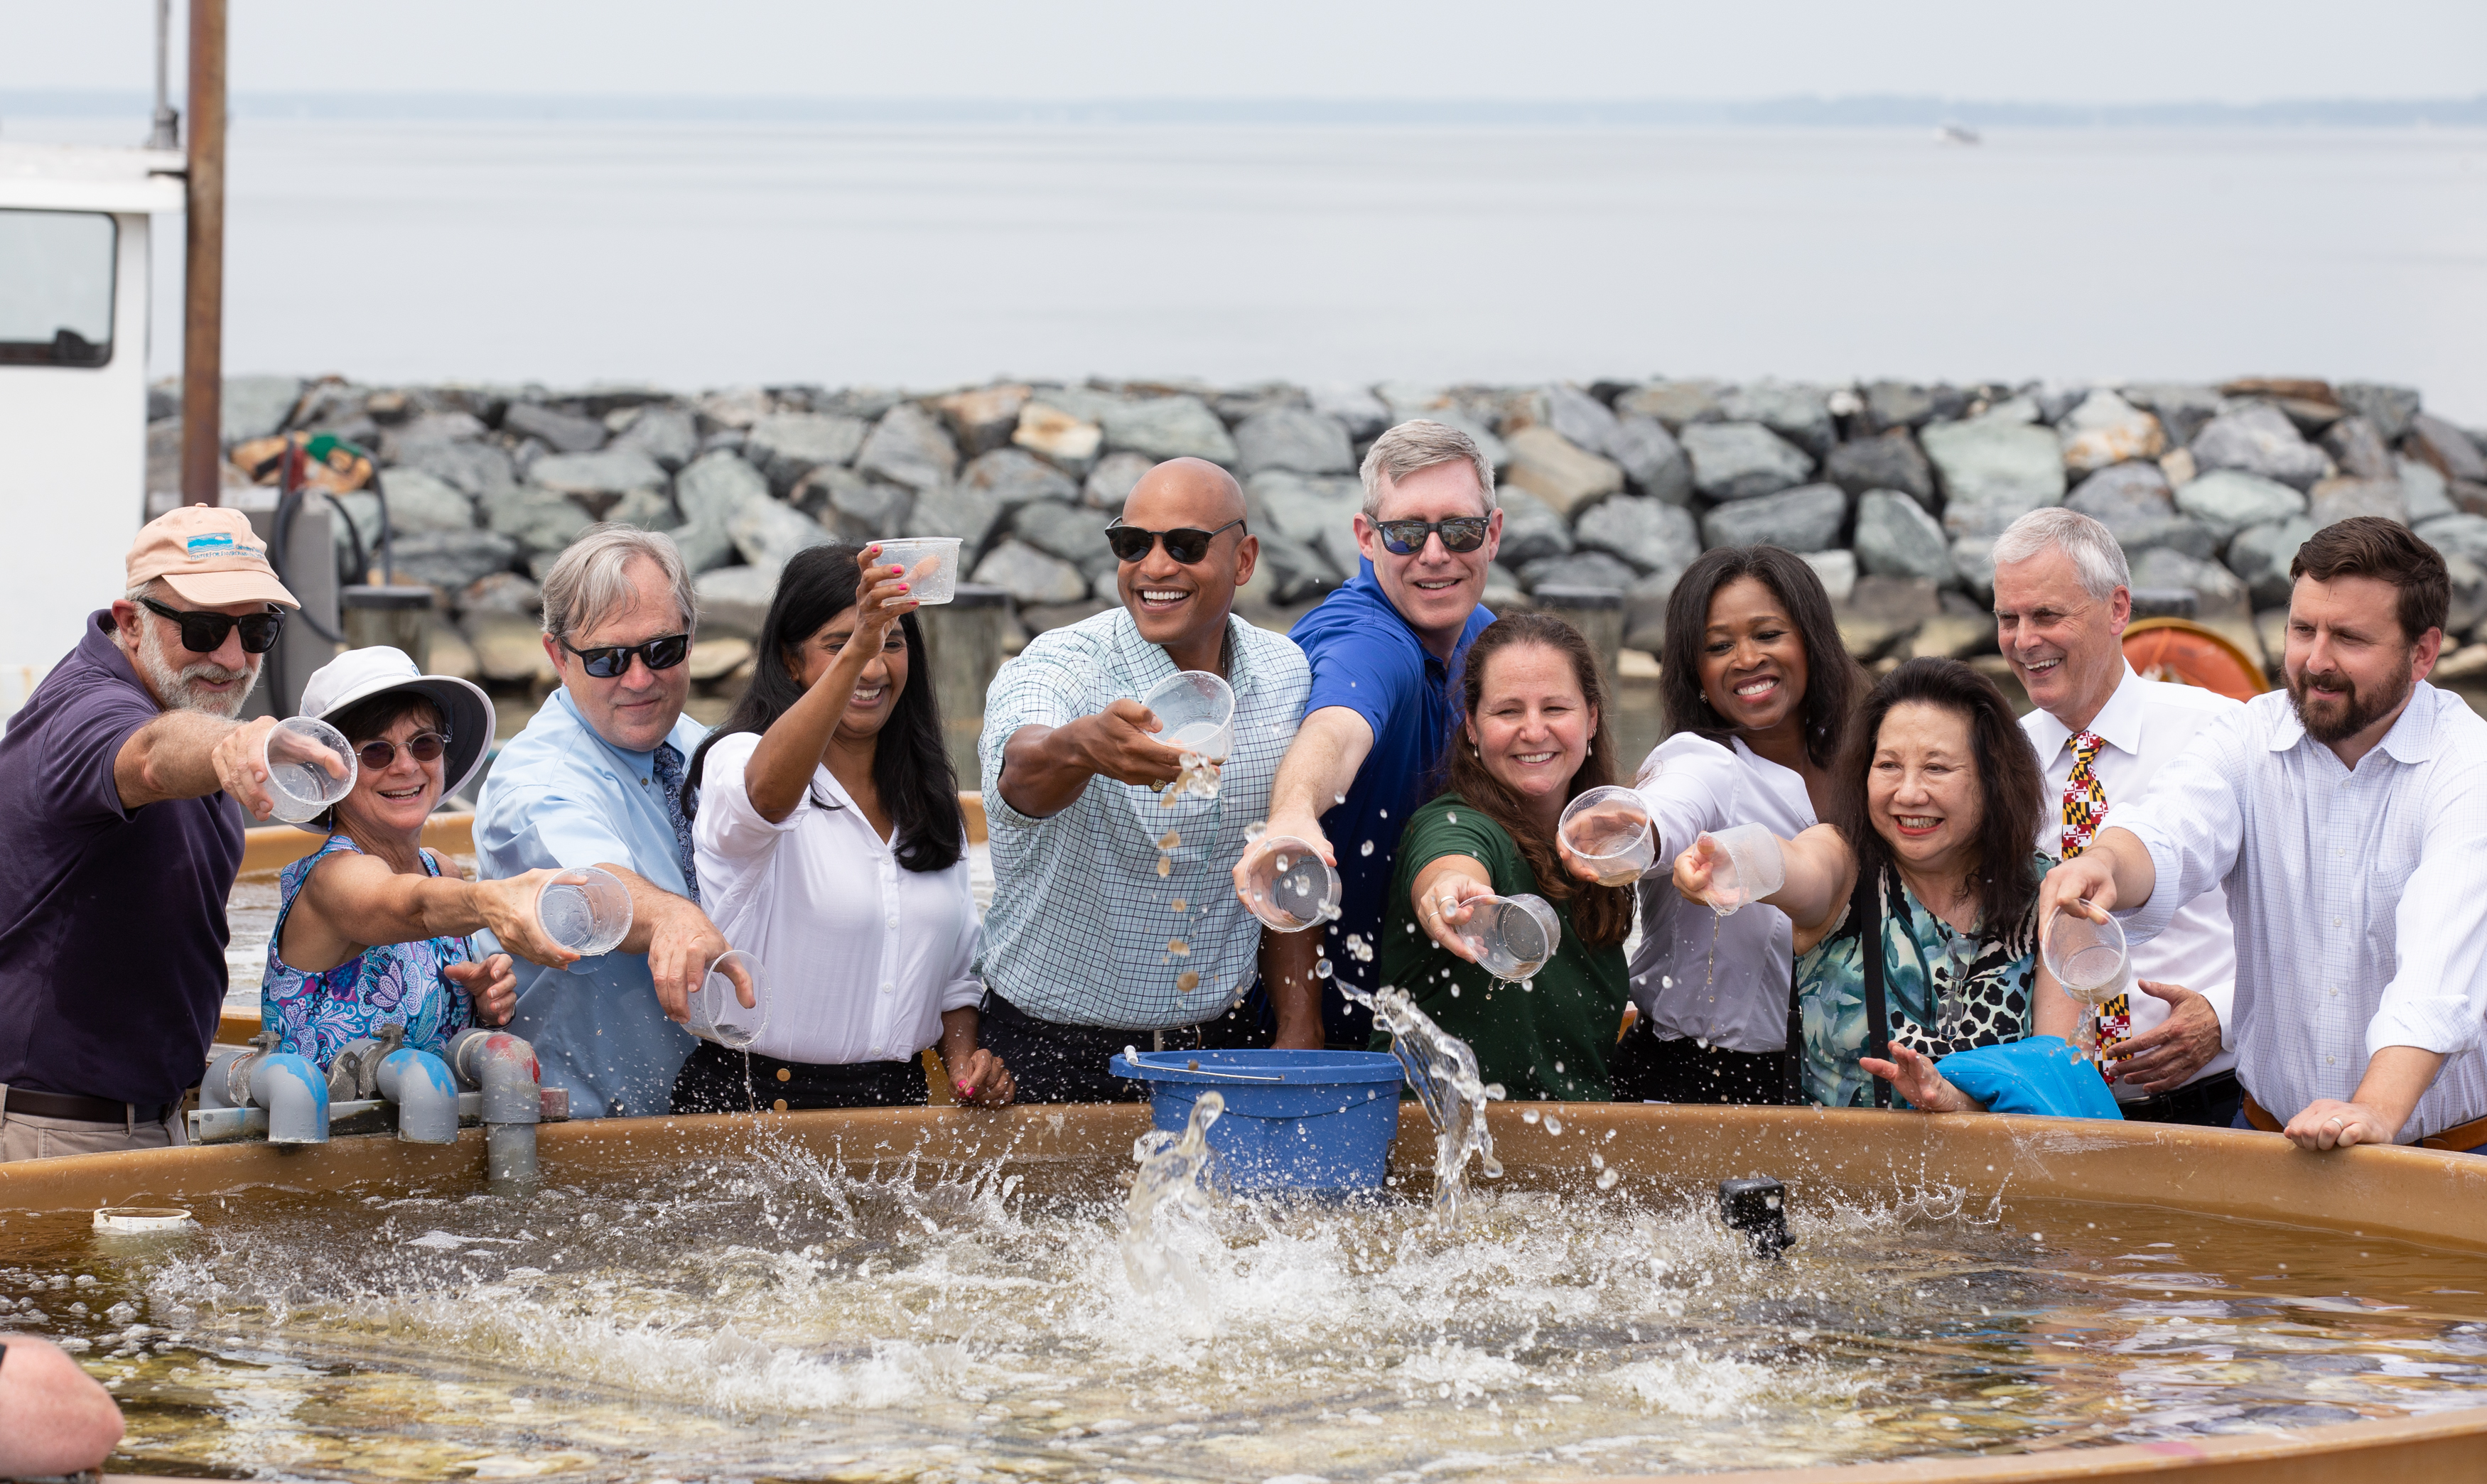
2349	820
2062	597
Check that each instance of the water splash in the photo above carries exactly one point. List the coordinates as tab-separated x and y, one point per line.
1443	1071
1175	1174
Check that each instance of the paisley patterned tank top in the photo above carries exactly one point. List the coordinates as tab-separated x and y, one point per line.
394	984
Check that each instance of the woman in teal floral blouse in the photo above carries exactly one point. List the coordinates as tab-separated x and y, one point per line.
1929	858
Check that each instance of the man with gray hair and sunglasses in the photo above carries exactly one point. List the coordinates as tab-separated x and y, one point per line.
1385	649
595	779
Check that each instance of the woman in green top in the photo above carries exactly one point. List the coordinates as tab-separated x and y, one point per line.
1928	858
1533	737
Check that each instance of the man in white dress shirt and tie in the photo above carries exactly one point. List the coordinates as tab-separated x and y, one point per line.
2349	819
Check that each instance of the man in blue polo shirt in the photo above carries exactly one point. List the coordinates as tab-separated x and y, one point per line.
1383	651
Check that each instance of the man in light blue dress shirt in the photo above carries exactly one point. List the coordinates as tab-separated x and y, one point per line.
595	779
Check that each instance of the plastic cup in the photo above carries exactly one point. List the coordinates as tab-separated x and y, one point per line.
716	1013
298	784
1610	830
142	1220
1291	888
1752	867
1196	712
2088	958
1512	936
587	911
938	583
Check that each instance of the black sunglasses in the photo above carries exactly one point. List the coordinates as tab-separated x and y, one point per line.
203	633
422	747
1459	533
659	653
1186	545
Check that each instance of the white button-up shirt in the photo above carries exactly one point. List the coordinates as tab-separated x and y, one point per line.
2359	897
2143	724
862	954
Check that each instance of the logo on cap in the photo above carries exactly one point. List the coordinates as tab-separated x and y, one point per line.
217	543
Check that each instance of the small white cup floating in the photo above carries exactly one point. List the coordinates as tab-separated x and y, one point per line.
309	768
1610	830
142	1220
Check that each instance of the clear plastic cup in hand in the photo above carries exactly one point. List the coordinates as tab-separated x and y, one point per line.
932	563
716	1009
1610	830
309	768
586	911
1291	888
2088	958
1196	712
1751	866
1512	936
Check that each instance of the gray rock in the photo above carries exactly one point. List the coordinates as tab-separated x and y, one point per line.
1530	528
1031	577
452	560
1645	610
1169	428
1897	405
733	599
474	469
1806	519
1895	538
563	432
2216	591
430	428
2467	613
2175	533
256	406
2121	493
1837	571
1741	460
2434	441
1557	471
2424	490
865	403
425	502
502	592
786	446
909	446
2359	449
1010	478
1315	510
705	546
1237	404
1800	414
2259	555
2103	430
2228	501
650	510
1881	609
1650	534
736	407
769	533
1503	592
1408	401
1581	418
1294	438
1296	571
1580	569
1993	471
717	484
2058	400
665	433
2182	409
856	508
2340	499
537	518
969	511
1675	403
2388	409
1972	561
1356	408
2258	439
984	418
1074	532
1110	483
590	476
2463	533
1066	440
1891	460
1651	459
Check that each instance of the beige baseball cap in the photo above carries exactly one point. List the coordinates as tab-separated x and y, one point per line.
208	555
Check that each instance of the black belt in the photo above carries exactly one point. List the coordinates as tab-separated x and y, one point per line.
2193	1098
85	1110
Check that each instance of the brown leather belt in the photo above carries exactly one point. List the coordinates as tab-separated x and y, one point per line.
2460	1139
85	1110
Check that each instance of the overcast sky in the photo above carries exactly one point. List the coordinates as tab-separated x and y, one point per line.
2016	50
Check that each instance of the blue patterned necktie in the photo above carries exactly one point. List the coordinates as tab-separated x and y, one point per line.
669	786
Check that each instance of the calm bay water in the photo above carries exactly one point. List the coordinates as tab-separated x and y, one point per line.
713	254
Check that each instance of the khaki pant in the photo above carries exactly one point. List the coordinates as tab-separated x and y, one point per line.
25	1137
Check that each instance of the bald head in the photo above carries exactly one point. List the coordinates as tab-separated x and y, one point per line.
1184	492
1183	605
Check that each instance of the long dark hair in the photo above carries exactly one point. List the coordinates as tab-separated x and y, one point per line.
910	763
2008	780
1832	678
1600	915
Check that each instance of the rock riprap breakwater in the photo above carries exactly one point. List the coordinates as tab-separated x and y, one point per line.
1895	491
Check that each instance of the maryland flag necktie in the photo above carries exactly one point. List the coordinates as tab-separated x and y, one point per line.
2084	814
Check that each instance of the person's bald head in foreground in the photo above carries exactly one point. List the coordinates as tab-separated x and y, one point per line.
1181	587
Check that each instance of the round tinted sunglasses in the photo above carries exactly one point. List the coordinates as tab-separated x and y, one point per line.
659	653
203	633
1459	533
1186	544
422	747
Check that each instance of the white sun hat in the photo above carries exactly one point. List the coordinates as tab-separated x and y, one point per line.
358	675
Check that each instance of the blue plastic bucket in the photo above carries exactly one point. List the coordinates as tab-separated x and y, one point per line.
1295	1120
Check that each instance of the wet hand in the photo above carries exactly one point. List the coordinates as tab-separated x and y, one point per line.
1120	743
1444	906
1309	831
1694	869
1914	1077
981	1081
2173	1050
2331	1124
493	984
241	759
679	951
508	908
2083	885
882	595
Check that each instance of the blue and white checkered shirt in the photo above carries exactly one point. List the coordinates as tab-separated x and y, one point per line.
2359	897
1080	924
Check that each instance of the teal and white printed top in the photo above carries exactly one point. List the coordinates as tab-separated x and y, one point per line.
1943	990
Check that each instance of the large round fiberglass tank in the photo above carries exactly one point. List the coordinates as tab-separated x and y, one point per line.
943	1294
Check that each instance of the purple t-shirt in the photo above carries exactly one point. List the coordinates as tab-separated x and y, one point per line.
112	920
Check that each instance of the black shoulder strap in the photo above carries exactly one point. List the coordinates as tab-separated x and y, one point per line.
1865	914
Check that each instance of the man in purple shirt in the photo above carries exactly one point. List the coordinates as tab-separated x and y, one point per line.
120	846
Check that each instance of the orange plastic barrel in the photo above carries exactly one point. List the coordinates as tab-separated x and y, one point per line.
2185	653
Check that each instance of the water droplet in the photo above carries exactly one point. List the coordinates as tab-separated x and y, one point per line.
1386	814
1558	1066
1606	1180
1338	798
1455	991
1165	866
1178	948
1186	981
1366	848
1531	1116
1179	905
1282	862
1531	985
1321	971
1452	815
1666	982
1597	1161
1169	841
1553	1125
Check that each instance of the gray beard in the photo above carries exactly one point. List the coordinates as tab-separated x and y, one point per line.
177	688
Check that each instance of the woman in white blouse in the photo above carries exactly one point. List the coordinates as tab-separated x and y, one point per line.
830	845
1759	690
